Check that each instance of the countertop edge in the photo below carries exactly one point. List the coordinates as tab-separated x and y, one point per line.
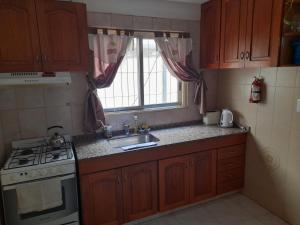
156	147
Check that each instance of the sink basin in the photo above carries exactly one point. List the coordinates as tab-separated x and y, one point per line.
133	141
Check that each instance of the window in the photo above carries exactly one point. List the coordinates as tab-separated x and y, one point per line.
142	81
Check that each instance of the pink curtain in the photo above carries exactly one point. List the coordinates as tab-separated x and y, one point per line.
177	54
108	53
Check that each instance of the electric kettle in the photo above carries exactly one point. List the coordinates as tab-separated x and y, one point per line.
226	119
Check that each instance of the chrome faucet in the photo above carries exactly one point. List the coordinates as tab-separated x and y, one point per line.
126	128
136	124
137	128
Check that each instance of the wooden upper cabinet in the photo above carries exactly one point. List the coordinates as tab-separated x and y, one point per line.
19	37
203	175
210	34
263	32
140	191
63	34
173	182
102	198
233	33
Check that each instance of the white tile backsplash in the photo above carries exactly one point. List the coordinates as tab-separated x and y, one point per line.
77	112
286	77
32	123
59	116
2	149
7	98
99	19
78	88
298	77
161	24
29	97
10	125
122	21
58	95
142	23
179	25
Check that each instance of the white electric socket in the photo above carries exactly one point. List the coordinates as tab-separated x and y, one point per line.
298	105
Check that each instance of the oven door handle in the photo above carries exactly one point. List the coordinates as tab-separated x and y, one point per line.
11	187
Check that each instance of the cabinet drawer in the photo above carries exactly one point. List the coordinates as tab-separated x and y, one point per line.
229	175
228	164
230	186
231	152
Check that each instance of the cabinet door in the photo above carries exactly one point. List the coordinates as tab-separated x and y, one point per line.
203	175
19	38
102	198
64	37
233	33
173	182
140	191
263	32
210	34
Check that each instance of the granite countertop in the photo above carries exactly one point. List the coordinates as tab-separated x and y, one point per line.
94	148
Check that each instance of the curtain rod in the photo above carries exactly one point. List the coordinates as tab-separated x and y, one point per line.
94	30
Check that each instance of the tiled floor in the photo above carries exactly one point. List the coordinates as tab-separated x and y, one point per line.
231	210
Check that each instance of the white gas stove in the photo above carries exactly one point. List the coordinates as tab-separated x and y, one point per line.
33	161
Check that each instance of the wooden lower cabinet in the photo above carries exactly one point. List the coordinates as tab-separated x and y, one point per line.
137	190
203	176
118	196
187	179
102	198
173	182
140	191
230	168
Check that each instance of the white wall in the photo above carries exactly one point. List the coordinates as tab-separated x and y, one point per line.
272	157
151	8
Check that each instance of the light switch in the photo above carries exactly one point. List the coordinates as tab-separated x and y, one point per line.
298	105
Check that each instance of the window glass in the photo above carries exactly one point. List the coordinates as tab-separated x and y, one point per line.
124	91
156	84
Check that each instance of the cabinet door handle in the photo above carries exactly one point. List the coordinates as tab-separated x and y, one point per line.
242	55
119	180
247	55
38	59
45	58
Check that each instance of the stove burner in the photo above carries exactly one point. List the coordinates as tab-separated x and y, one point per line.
23	161
38	154
27	152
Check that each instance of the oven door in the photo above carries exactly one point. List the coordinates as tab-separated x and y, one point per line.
67	213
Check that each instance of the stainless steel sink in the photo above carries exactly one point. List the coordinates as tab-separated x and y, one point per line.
133	141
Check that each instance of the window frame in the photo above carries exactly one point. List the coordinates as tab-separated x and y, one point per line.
141	92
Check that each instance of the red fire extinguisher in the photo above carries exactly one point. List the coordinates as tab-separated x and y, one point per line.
256	90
